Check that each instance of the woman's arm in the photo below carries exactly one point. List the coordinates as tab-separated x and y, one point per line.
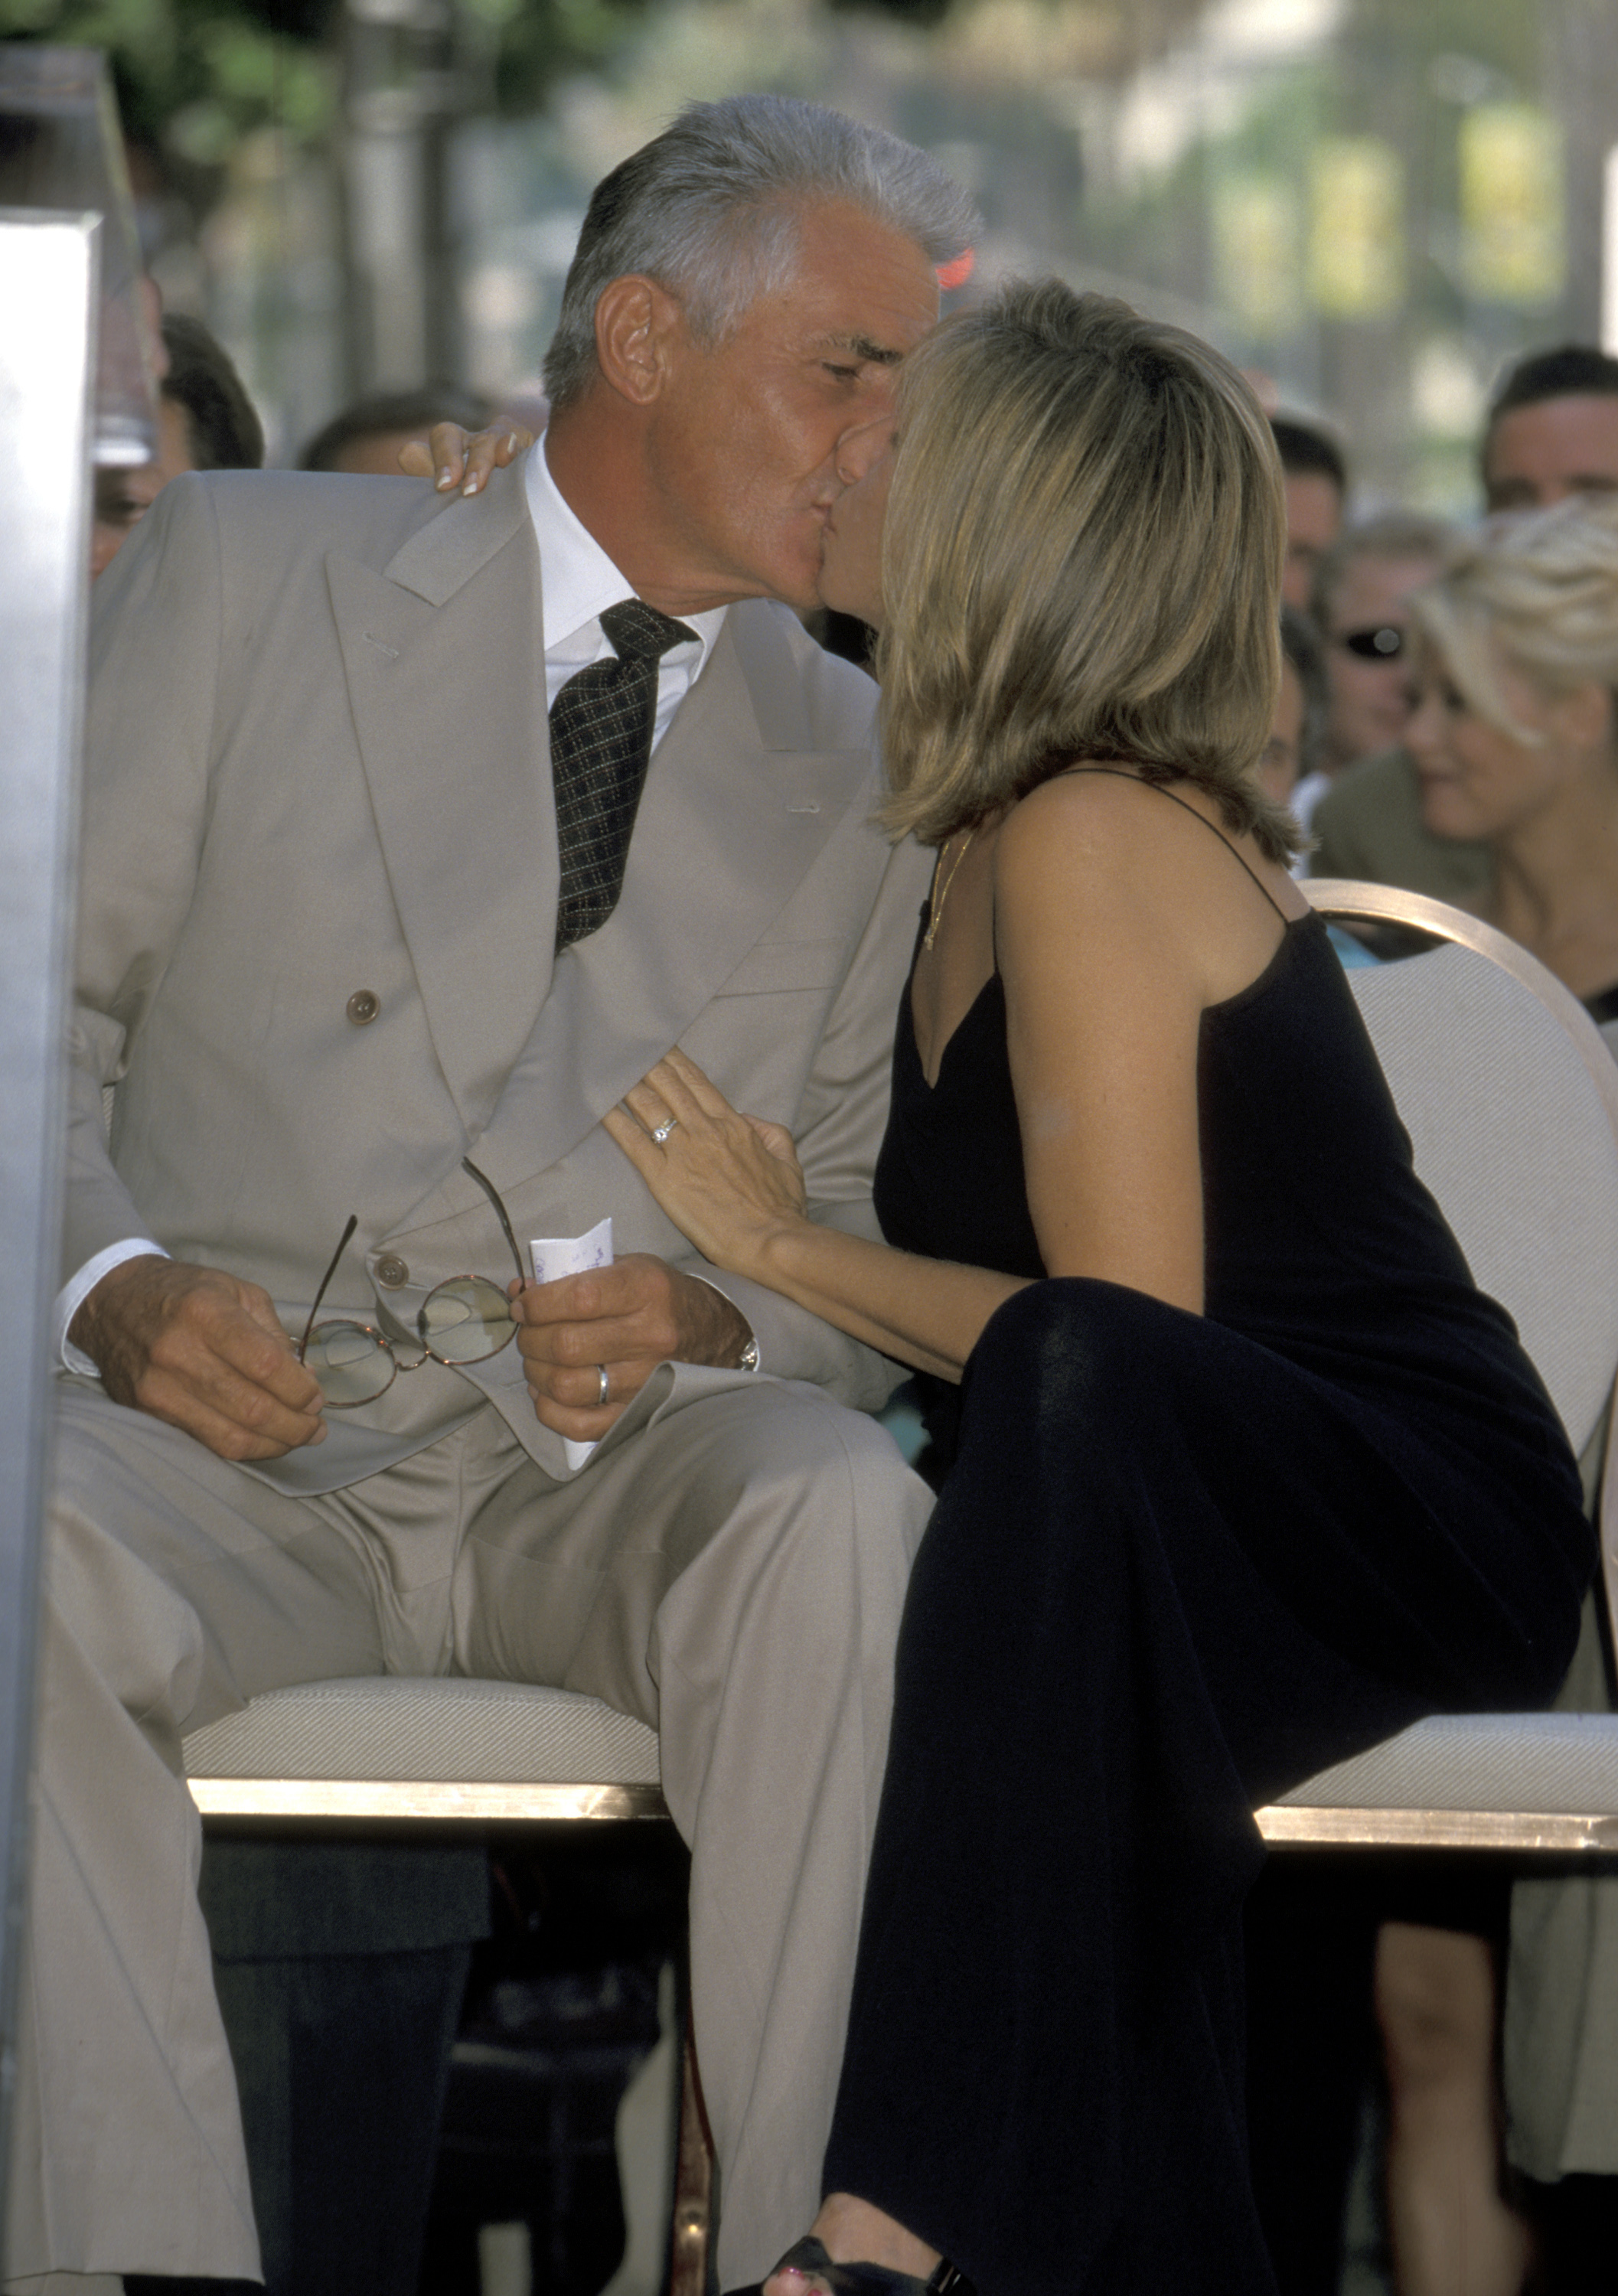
1117	921
927	1313
1101	936
731	1184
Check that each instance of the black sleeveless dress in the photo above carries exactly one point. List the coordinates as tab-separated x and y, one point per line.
1179	1563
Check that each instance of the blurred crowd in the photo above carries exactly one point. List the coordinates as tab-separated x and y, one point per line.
1447	725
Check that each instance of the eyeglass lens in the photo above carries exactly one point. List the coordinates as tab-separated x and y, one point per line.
464	1320
350	1363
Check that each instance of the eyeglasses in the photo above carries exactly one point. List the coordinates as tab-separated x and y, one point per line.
1386	642
465	1319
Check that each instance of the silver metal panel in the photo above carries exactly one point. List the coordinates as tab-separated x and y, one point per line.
61	151
48	267
1287	1825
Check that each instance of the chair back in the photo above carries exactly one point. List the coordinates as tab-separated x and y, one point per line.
1510	1098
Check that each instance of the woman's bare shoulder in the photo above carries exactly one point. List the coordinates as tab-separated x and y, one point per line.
1096	828
1130	874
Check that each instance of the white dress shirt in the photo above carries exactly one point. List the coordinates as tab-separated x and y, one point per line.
578	583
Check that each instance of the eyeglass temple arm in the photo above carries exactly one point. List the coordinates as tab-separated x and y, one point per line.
342	1245
490	1190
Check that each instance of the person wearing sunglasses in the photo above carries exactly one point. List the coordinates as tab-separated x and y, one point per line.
1358	605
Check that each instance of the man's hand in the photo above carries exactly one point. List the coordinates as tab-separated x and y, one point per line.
204	1351
627	1318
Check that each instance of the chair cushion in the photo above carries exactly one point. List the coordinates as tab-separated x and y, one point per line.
429	1728
1552	1762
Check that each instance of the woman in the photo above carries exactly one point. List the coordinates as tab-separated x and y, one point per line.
1514	735
1246	1474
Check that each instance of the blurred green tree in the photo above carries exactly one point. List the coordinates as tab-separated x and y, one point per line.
194	76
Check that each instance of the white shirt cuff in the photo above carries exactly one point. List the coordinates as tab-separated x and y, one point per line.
78	1289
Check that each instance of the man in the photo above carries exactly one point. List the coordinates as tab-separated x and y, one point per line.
340	1965
333	945
1552	432
1315	478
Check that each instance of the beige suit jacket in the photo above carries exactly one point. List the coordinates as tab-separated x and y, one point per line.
318	766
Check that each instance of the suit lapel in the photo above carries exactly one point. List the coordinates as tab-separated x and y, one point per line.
734	813
736	809
447	686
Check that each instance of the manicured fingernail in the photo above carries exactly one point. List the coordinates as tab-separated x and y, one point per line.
473	484
510	443
445	476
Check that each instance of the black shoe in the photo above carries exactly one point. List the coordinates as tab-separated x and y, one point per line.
863	2279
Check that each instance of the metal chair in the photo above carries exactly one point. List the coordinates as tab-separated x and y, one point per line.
435	1750
1510	1097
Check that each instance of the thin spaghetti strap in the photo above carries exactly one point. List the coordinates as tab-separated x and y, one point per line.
1118	774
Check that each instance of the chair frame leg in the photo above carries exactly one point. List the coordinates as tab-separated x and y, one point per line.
693	2184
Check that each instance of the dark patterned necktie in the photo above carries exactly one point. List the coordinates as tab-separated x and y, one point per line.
601	744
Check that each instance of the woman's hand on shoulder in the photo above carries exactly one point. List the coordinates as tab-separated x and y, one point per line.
1103	999
452	456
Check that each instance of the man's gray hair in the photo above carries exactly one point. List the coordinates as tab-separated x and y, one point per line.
710	209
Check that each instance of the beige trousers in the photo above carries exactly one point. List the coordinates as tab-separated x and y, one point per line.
730	1567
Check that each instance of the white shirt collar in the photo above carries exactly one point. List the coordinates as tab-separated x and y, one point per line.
578	580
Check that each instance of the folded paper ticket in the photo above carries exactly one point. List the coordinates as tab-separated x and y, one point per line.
555	1256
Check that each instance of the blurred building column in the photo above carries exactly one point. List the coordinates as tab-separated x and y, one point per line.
1609	253
1581	86
400	95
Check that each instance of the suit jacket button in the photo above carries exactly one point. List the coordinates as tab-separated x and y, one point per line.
391	1271
364	1005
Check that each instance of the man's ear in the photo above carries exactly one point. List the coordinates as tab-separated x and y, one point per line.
637	324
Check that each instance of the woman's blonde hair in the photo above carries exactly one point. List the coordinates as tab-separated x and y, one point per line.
1542	585
1082	560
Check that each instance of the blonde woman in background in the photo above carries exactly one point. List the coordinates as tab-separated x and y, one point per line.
1514	732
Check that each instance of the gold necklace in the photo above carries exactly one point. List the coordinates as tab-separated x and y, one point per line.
940	893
